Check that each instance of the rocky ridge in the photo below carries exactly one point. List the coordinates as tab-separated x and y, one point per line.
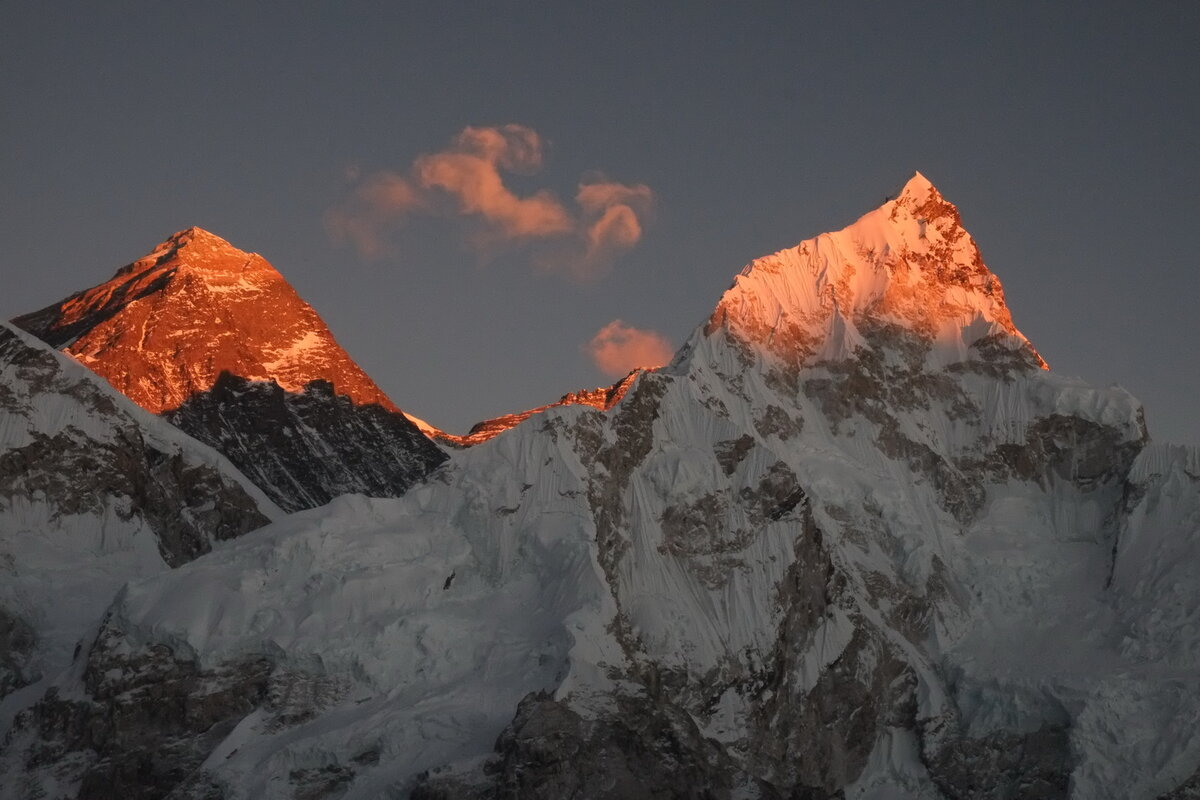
602	398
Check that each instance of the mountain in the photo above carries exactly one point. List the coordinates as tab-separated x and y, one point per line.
854	541
218	342
93	492
164	328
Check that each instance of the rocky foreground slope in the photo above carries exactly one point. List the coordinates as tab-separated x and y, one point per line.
217	341
855	541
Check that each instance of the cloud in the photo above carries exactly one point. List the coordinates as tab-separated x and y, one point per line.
605	194
467	180
513	147
618	348
470	172
612	215
377	204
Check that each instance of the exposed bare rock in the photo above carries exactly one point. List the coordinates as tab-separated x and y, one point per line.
777	422
17	642
730	452
1188	790
1067	448
305	448
1035	765
148	720
641	749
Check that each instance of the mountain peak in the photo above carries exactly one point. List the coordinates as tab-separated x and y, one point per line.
908	263
918	186
197	235
200	252
165	326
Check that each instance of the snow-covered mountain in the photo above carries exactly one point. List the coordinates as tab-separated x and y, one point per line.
855	541
93	492
216	340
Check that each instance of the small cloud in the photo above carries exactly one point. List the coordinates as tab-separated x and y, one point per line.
375	206
605	194
475	182
618	348
513	147
466	179
613	214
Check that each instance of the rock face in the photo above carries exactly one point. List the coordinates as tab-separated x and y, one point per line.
306	448
854	542
185	330
165	327
640	749
93	492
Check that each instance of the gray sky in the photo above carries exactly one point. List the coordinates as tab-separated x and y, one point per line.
1066	133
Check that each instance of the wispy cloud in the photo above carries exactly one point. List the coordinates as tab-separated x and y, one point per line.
612	214
618	348
377	203
469	171
467	180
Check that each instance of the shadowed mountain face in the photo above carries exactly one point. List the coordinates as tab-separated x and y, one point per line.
305	448
855	541
173	328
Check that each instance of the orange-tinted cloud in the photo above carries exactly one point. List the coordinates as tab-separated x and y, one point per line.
605	194
466	179
613	214
512	147
469	170
618	348
376	204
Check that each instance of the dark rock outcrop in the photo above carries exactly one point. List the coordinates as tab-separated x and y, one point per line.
17	642
640	749
148	720
303	449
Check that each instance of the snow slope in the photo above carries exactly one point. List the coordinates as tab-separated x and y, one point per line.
93	492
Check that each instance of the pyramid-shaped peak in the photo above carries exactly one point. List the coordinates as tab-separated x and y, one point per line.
920	203
196	235
194	240
196	232
909	263
165	327
203	254
918	187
